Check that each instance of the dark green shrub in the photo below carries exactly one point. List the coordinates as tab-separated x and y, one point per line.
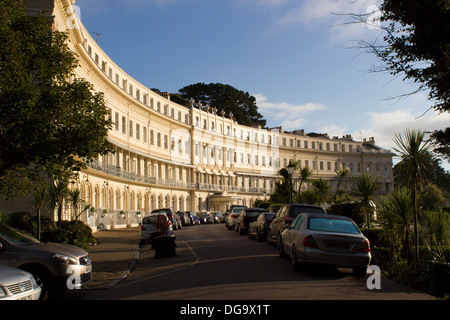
381	257
71	232
434	278
347	209
27	222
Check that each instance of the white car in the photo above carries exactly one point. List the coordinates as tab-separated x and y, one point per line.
233	216
16	284
148	226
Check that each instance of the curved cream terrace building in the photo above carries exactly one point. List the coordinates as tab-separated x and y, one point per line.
195	158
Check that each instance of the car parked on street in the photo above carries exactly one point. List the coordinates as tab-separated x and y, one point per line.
16	284
195	220
185	218
233	215
149	226
218	217
202	217
325	239
173	217
285	215
51	264
258	229
209	218
247	216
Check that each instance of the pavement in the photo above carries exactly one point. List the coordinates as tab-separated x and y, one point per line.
113	257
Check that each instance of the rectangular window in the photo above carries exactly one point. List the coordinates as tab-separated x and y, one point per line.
116	121
138	132
124	125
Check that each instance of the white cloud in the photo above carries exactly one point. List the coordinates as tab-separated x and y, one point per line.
285	114
332	13
384	125
266	3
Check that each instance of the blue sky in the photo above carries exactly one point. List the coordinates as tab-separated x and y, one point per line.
294	56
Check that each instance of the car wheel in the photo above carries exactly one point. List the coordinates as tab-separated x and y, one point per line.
294	263
280	247
268	240
259	238
42	279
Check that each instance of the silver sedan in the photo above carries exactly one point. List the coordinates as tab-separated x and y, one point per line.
16	284
331	240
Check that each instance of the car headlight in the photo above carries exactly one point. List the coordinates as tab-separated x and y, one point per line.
63	258
2	293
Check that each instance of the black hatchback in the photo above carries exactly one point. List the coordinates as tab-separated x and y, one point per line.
247	216
285	215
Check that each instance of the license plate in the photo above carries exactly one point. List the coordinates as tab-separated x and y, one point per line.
25	298
337	245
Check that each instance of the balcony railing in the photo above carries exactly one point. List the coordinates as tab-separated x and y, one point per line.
172	183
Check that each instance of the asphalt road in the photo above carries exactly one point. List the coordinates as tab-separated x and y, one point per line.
213	263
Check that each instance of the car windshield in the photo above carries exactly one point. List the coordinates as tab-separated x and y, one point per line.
252	213
332	225
269	216
16	237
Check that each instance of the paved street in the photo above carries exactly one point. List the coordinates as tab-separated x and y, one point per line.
213	263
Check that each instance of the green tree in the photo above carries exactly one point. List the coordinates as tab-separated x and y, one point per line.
57	195
365	186
437	229
308	196
75	199
342	173
305	173
322	189
48	118
414	152
416	46
227	98
282	190
40	195
396	215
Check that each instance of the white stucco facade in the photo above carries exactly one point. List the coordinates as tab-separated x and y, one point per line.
191	158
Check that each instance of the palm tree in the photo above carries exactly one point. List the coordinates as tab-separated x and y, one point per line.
58	192
396	213
75	199
414	151
365	186
39	198
304	173
322	189
342	173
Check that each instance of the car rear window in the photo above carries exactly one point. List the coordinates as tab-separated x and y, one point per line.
332	225
166	211
253	213
149	220
297	210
